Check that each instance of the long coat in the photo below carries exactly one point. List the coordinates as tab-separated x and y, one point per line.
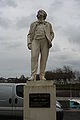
48	31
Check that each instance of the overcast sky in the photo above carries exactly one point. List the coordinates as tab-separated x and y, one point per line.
15	19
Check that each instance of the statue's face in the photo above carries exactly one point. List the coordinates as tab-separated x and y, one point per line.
41	15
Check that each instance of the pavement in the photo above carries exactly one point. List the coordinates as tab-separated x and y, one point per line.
68	115
72	114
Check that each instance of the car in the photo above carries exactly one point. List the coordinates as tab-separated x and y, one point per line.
59	111
74	103
11	100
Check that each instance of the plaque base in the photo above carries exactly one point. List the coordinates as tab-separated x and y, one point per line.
40	100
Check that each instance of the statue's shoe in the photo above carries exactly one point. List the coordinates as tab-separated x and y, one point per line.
32	78
42	78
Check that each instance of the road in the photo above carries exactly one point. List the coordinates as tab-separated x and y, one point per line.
72	115
68	115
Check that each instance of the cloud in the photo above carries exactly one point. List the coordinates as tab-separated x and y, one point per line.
75	37
11	3
4	23
13	67
67	57
55	48
2	38
73	34
77	2
9	44
56	5
24	22
12	45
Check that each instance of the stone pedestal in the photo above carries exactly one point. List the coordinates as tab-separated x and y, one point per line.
39	100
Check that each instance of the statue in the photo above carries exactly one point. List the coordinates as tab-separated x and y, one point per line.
39	41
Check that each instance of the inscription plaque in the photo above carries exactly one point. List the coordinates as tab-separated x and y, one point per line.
39	100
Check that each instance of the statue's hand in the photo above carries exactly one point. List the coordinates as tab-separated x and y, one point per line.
29	46
49	44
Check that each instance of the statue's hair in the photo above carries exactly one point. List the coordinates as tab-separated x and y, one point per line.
44	13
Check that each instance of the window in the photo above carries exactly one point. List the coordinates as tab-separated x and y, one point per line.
20	90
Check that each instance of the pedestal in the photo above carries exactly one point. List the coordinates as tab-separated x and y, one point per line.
40	100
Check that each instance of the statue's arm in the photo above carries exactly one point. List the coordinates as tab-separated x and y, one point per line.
51	32
29	38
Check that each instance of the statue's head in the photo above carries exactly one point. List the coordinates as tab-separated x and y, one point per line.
41	14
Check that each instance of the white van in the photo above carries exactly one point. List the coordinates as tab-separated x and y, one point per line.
11	100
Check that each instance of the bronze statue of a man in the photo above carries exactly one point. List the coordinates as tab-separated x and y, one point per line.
39	41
